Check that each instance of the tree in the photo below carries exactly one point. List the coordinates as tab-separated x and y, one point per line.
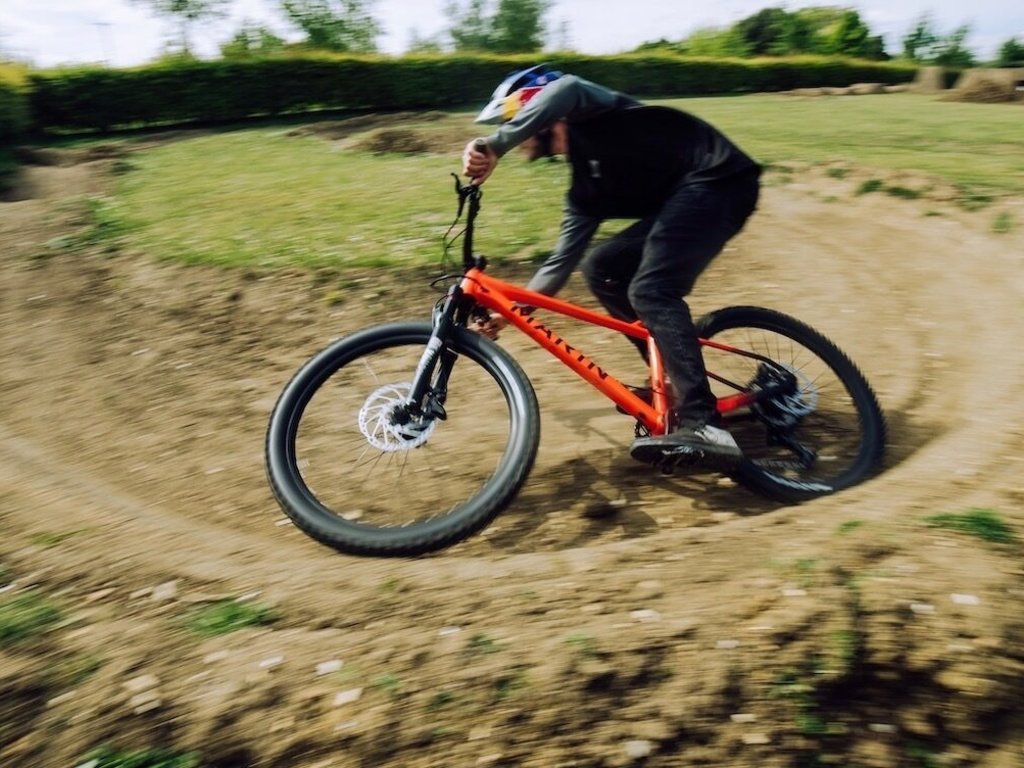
252	41
920	39
187	12
797	35
335	25
951	52
713	43
1011	54
926	45
471	29
561	39
517	26
764	32
420	44
777	32
851	37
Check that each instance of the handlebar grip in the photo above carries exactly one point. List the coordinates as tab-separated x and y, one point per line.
480	145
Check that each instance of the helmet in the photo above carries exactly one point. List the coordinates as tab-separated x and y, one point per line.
515	91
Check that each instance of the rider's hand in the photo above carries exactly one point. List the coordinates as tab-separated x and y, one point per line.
490	327
478	161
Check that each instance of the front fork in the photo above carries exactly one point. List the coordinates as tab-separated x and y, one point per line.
429	392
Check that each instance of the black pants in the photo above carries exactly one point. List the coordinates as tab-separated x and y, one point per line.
645	271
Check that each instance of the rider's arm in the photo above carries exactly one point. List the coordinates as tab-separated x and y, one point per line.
576	232
570	97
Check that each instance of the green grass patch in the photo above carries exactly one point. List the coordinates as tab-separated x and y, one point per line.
441	699
26	616
895	190
481	644
269	197
49	539
109	757
98	221
869	186
985	524
261	198
849	525
75	670
583	645
978	145
390	683
971	199
224	616
509	684
1004	223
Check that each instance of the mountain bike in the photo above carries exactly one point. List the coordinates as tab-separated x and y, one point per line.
408	437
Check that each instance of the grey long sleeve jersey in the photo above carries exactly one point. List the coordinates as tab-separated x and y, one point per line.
571	98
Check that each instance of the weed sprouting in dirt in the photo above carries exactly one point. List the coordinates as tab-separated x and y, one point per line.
26	616
972	200
390	683
869	186
109	757
507	685
923	756
849	525
584	646
481	644
53	538
74	670
985	524
894	190
906	193
441	699
393	586
99	221
226	616
1003	224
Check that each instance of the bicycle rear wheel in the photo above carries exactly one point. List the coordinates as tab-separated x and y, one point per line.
355	475
823	434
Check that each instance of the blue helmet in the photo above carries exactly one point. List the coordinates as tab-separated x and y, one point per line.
515	91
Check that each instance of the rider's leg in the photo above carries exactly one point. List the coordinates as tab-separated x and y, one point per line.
689	231
610	267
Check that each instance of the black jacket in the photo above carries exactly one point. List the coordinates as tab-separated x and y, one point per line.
626	162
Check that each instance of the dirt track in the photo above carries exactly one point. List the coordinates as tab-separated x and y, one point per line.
612	617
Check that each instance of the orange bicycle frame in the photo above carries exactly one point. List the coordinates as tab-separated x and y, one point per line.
508	301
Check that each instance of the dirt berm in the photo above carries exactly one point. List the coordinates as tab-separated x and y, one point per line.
611	617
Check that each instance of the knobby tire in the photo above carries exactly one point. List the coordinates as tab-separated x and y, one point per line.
351	494
845	427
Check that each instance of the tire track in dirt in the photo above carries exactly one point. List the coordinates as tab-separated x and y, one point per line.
889	318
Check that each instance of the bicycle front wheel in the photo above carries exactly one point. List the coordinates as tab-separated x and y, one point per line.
352	475
823	432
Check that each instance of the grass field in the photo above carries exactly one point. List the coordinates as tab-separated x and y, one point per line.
263	197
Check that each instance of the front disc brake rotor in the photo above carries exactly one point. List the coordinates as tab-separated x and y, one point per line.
387	424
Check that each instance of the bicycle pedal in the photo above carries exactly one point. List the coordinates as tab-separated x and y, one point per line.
681	456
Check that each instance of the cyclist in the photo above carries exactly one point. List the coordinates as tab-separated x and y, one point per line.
687	186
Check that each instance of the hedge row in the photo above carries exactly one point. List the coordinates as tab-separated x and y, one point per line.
13	103
220	91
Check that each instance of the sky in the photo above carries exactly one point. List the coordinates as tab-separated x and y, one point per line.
125	33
